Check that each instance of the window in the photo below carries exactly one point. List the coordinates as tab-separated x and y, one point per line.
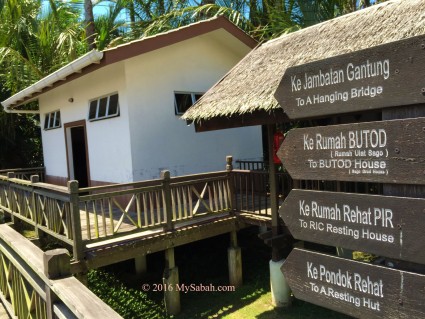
184	100
104	107
52	120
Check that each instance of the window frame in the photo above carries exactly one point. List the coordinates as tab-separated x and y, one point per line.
98	107
193	98
47	120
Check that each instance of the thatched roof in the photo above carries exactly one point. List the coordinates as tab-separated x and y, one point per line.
250	86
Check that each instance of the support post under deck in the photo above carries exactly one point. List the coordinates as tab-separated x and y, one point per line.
234	255
171	281
279	288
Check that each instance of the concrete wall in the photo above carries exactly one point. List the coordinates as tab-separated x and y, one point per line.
160	139
108	139
148	137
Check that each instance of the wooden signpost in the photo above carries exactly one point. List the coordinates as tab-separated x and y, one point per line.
380	77
383	225
358	289
386	152
392	152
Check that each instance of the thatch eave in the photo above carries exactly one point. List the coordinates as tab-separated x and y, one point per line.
250	86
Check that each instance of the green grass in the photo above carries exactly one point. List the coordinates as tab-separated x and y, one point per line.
203	262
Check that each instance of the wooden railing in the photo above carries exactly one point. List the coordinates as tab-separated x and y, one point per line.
252	165
80	216
112	209
252	190
25	173
46	207
37	284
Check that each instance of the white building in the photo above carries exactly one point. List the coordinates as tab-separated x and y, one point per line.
114	116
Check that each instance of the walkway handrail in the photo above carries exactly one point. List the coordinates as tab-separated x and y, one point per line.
151	204
25	173
37	284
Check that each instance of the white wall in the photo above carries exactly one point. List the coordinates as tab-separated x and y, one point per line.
160	140
108	139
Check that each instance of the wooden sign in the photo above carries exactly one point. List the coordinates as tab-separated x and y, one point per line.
383	76
383	225
386	152
355	288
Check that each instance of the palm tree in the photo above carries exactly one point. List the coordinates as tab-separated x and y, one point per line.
32	45
89	24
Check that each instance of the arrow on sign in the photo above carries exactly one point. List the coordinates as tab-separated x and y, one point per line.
383	225
388	75
358	289
385	152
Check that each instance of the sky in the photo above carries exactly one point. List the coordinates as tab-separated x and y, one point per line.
99	9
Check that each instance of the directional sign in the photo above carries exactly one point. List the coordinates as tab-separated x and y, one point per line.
383	225
383	76
386	152
358	289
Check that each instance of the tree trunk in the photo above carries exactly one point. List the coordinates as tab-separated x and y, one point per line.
89	21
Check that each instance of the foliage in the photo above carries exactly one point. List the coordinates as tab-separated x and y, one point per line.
32	45
20	144
129	303
262	19
205	262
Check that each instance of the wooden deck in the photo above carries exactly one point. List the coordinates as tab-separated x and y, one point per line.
111	223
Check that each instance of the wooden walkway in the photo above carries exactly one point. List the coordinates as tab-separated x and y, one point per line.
131	241
3	312
97	226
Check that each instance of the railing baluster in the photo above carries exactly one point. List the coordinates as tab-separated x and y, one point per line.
139	212
145	210
158	207
102	209
111	215
185	214
179	203
86	206
96	224
210	197
190	199
151	209
166	188
173	202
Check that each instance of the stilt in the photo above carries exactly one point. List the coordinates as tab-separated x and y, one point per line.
140	265
281	293
171	280
344	253
262	229
235	261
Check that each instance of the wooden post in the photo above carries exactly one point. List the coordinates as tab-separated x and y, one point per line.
417	191
35	179
165	176
276	251
140	265
10	196
171	281
234	255
229	169
56	264
278	286
78	250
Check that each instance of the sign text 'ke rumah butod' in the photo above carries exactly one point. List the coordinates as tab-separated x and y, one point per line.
389	75
379	77
386	152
